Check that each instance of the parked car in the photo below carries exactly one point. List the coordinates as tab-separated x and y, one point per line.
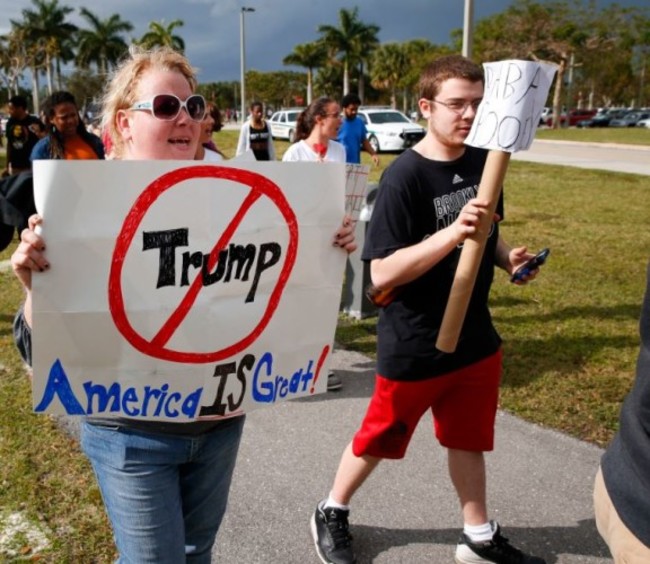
546	113
630	119
603	118
643	123
389	129
283	124
575	116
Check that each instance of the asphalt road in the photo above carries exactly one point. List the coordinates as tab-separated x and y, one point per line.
605	156
539	484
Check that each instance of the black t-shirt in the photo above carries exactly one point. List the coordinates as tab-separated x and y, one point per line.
259	140
417	197
21	140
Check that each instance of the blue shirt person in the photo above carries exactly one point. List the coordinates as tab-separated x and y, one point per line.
352	132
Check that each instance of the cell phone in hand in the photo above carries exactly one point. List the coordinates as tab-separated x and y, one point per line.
538	260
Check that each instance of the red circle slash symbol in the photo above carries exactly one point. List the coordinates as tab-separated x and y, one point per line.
156	347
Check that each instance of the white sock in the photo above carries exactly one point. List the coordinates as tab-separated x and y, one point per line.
479	533
331	502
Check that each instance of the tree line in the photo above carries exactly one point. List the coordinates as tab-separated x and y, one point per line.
602	55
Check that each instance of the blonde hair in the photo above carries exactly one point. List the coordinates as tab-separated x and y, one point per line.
121	90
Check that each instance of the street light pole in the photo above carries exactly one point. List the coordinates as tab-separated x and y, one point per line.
244	9
468	24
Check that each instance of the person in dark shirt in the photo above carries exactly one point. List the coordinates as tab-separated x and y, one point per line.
23	131
255	135
426	207
622	487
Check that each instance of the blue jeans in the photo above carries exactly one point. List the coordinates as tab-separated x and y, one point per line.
165	495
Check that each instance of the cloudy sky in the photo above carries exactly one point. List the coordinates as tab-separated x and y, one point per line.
212	27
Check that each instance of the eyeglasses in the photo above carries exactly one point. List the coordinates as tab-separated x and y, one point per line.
334	115
459	106
167	107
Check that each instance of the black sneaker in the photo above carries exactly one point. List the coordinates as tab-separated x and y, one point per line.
498	550
329	529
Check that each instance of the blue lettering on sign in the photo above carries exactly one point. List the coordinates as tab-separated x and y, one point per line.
267	388
58	384
148	402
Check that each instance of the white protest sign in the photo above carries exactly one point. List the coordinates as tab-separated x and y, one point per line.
506	121
356	187
515	95
181	291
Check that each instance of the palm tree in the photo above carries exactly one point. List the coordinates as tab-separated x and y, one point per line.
390	65
103	43
366	42
161	35
348	39
419	53
310	56
47	31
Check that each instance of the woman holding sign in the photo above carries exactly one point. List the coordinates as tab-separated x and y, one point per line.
164	484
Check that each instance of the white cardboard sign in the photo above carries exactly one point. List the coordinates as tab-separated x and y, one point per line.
181	291
515	95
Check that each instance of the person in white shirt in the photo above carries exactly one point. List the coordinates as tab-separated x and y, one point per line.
316	129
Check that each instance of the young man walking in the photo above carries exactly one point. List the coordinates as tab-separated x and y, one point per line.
353	133
426	207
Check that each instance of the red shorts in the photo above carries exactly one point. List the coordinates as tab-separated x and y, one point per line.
463	404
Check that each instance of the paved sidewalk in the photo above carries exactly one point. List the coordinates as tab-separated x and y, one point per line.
540	485
603	156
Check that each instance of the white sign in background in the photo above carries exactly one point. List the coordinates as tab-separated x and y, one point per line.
137	318
514	97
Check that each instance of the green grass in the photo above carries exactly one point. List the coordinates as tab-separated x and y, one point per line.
625	135
570	342
44	477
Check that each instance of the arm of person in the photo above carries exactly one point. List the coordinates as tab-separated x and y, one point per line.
511	258
409	263
242	144
368	148
8	154
271	145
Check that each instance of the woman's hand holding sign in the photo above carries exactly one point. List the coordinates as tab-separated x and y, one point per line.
29	256
344	236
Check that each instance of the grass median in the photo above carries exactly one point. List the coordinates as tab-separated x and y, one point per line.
570	342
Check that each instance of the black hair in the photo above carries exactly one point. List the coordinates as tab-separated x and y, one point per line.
350	98
18	101
49	107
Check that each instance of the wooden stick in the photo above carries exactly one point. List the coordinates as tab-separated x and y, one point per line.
472	253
